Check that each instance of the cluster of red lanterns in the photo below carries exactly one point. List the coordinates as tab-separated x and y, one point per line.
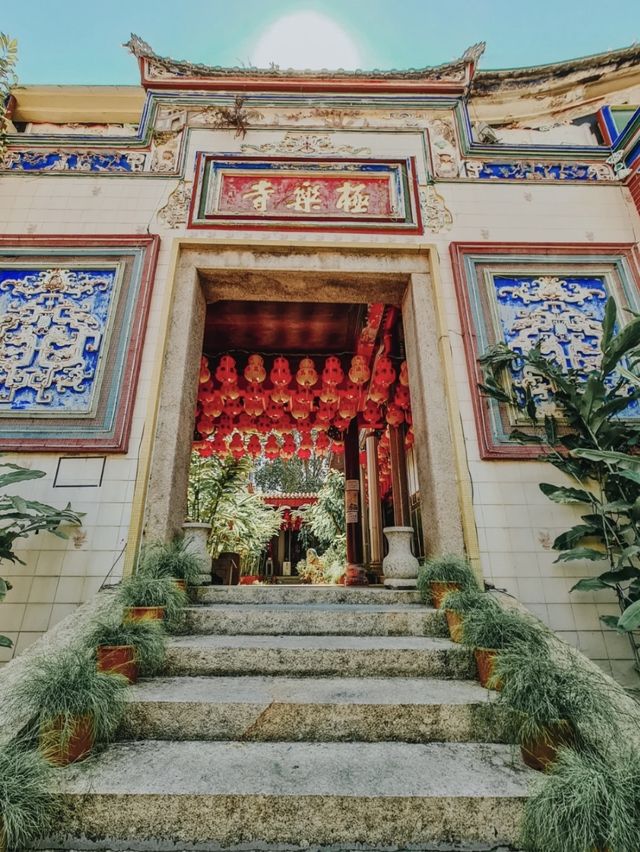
256	410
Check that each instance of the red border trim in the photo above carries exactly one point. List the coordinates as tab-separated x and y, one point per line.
118	440
489	449
333	226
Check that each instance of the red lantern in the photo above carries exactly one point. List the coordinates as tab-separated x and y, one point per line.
232	407
379	393
359	371
337	447
255	372
395	415
304	453
219	445
204	425
206	450
281	395
330	395
245	422
254	447
280	374
332	374
231	391
325	412
214	404
306	376
226	372
372	414
273	410
237	446
288	449
263	424
205	373
301	405
306	441
348	406
341	423
254	404
225	425
404	375
383	372
272	447
322	443
402	397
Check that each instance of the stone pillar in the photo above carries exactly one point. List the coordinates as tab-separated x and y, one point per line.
375	512
399	480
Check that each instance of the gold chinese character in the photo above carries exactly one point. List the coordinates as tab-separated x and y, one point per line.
306	197
259	194
352	198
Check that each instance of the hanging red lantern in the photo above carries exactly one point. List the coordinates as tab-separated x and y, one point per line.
255	372
237	446
272	447
219	445
286	424
337	447
281	395
224	425
245	422
304	453
372	414
204	425
214	404
280	374
325	412
404	374
359	370
254	447
307	375
379	393
322	444
254	404
288	449
231	391
395	415
383	372
205	373
232	407
332	374
273	410
263	424
226	372
301	405
341	423
306	440
348	406
402	397
330	395
206	450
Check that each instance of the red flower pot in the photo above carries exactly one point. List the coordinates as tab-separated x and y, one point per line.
61	744
541	752
440	588
118	659
181	584
454	623
485	659
144	613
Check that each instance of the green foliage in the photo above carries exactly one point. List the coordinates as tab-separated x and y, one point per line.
327	568
583	803
147	637
66	685
542	689
26	806
220	494
171	559
326	518
589	440
449	568
143	590
20	518
464	600
8	80
497	628
291	476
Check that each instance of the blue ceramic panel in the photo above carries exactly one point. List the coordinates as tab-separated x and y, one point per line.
54	326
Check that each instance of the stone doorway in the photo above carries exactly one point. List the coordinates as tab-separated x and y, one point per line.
209	273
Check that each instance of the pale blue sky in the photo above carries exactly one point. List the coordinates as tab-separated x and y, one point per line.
74	41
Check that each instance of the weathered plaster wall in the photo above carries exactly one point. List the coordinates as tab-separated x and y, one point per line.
515	522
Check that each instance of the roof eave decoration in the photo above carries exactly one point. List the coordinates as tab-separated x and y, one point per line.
159	72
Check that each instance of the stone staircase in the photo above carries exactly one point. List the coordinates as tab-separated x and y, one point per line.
303	717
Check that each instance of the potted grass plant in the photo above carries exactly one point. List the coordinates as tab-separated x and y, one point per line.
71	704
145	597
552	703
457	604
489	630
129	648
175	559
444	574
26	805
586	802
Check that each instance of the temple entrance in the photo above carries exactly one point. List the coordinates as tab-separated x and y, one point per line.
304	409
351	337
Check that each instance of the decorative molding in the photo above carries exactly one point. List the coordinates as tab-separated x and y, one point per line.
99	162
524	293
73	320
306	144
437	216
537	171
175	212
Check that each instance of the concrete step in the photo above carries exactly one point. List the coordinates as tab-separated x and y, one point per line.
358	656
345	619
198	795
304	594
308	709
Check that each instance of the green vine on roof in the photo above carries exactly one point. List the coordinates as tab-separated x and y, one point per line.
8	80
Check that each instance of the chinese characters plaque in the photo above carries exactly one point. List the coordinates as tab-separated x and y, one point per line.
334	194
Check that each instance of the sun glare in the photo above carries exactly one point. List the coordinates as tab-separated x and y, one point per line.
306	40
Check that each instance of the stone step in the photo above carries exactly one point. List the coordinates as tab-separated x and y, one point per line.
310	709
304	594
358	656
198	795
317	619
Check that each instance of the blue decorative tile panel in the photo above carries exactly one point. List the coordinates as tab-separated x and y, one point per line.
75	161
562	314
54	325
533	171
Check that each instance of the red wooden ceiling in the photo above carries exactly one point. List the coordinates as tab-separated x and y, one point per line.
282	327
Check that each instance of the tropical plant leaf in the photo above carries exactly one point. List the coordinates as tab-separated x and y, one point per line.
5	642
630	618
608	324
623	460
589	553
562	494
624	342
20	475
568	539
611	621
590	584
